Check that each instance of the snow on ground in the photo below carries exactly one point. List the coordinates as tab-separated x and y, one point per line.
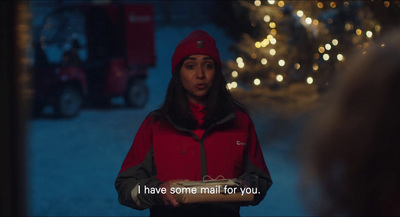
73	162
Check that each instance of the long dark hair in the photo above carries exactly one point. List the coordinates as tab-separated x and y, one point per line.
219	101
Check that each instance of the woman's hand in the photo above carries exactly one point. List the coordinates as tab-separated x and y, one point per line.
167	198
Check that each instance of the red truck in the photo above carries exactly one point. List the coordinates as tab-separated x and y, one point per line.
91	53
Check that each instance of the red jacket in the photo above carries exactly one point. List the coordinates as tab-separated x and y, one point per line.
163	151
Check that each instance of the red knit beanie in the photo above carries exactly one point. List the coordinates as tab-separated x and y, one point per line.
197	42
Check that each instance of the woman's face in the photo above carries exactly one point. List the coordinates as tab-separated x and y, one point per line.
197	74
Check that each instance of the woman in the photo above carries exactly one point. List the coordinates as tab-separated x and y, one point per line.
200	131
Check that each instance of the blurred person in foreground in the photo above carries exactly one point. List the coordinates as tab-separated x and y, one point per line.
200	131
351	157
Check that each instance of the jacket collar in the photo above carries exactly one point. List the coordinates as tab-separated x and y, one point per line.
224	120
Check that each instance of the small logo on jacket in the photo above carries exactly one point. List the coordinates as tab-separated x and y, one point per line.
240	143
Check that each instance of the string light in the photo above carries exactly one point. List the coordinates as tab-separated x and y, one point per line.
300	13
377	28
232	85
348	26
265	43
324	49
325	57
264	61
315	67
272	25
279	77
240	62
272	52
267	18
321	49
369	34
335	42
310	80
328	47
234	74
308	20
340	57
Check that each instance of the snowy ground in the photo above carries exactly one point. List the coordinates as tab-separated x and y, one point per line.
73	163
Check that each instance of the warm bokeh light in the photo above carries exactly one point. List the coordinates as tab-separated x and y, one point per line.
300	13
308	20
267	18
272	52
315	67
340	57
257	81
264	61
369	34
272	25
234	74
321	49
234	84
257	3
310	80
325	57
335	42
328	47
279	77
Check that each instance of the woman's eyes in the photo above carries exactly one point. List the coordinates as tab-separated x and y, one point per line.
206	66
189	66
209	66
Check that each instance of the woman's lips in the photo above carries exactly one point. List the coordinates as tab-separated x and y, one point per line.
201	86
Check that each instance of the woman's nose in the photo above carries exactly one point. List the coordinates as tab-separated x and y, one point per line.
200	74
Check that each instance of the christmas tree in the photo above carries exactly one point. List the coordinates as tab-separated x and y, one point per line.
283	42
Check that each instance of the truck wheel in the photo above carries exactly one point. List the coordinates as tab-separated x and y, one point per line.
68	102
137	94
